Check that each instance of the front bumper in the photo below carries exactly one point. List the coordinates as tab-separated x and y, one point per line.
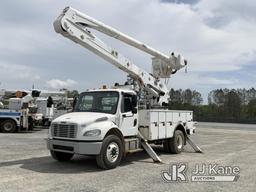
81	147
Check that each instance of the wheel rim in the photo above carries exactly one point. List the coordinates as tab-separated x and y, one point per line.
179	142
112	152
8	126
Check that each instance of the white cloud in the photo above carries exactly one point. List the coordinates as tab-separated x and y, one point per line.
58	84
199	81
15	72
228	10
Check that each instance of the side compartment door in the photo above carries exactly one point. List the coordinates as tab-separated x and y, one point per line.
161	125
170	123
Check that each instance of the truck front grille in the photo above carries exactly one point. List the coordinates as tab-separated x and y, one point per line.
64	130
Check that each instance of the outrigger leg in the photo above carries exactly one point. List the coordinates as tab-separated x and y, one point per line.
149	149
193	145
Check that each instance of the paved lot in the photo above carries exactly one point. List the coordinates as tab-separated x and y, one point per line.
25	164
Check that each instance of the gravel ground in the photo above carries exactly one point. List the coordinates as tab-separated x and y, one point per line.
25	164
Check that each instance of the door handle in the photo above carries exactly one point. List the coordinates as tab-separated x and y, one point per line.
127	115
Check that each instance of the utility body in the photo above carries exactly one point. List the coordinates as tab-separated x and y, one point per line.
109	123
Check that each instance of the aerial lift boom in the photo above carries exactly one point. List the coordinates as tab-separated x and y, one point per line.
75	26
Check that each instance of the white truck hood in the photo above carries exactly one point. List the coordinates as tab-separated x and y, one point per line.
82	117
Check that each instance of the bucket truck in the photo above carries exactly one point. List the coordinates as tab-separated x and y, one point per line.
17	117
110	123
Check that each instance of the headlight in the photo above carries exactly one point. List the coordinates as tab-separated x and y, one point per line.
92	133
101	119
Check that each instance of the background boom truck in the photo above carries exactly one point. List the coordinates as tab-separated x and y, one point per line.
109	123
50	104
18	116
27	109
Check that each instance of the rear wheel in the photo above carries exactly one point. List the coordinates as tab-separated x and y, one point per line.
176	143
61	156
8	126
111	153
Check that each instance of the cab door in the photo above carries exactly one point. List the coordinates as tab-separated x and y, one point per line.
129	116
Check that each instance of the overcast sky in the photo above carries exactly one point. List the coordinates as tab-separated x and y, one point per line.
217	37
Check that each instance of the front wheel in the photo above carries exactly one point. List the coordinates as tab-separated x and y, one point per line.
111	153
8	126
61	156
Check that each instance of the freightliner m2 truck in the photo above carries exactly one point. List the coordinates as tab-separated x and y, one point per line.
109	123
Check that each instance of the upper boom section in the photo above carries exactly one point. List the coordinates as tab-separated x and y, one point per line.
110	31
165	64
74	25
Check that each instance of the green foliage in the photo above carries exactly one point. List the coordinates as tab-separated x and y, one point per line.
73	94
190	97
251	108
70	94
224	105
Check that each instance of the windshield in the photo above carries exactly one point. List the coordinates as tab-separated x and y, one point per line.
101	102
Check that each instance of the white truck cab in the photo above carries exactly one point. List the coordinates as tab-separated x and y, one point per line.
97	114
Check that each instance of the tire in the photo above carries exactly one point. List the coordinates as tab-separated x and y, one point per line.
8	126
30	124
166	145
111	153
61	156
177	142
46	123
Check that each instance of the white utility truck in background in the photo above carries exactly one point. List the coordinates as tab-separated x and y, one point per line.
60	106
18	115
27	109
109	123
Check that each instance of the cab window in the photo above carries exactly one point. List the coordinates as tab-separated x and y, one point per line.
126	104
101	102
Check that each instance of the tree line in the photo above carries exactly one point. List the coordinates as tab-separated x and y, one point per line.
224	105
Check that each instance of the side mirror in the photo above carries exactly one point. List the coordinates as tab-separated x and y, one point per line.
134	110
134	100
74	102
